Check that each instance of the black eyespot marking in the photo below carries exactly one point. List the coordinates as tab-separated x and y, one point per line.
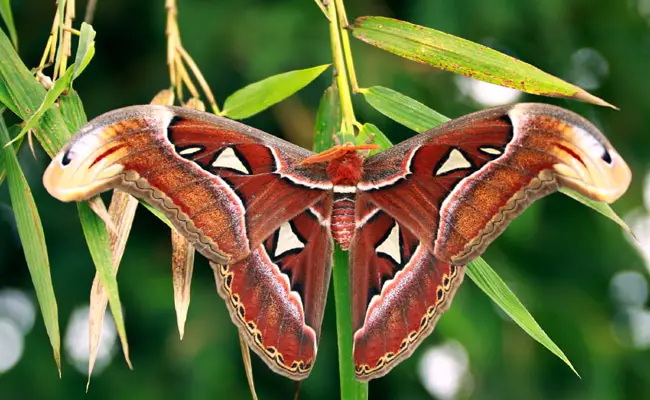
65	160
607	157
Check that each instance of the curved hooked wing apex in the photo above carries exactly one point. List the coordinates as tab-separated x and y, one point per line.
456	187
224	185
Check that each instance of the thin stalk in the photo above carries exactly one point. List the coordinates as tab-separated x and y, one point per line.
350	387
347	52
348	119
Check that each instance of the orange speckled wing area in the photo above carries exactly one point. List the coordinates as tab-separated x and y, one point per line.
224	185
399	291
277	295
458	186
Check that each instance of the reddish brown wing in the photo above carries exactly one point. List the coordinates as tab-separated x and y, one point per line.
457	187
277	295
239	195
399	291
224	185
451	191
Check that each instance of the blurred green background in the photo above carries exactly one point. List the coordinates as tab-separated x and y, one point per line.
577	272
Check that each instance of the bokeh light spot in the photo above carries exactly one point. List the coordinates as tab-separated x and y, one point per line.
11	344
18	307
77	341
444	369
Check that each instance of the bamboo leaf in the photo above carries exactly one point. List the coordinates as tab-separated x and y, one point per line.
258	96
402	109
32	238
85	49
72	110
122	211
100	251
328	119
52	95
491	284
182	269
248	366
369	133
451	53
26	96
13	131
8	18
599	207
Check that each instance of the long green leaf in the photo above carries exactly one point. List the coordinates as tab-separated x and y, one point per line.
258	96
451	53
8	18
48	102
402	109
328	119
26	96
32	238
491	284
99	245
13	131
599	207
85	49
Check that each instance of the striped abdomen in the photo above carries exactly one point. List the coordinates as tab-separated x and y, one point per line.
343	219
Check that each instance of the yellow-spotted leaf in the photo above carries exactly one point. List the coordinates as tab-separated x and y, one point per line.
258	96
32	238
451	53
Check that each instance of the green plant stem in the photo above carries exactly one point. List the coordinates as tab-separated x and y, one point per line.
348	120
350	387
345	40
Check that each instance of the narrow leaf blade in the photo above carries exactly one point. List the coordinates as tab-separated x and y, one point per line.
491	284
402	109
258	96
85	49
8	18
122	212
32	238
182	269
27	95
369	133
328	119
451	53
100	251
52	95
599	207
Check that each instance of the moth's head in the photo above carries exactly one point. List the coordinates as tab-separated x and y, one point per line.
586	161
90	163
